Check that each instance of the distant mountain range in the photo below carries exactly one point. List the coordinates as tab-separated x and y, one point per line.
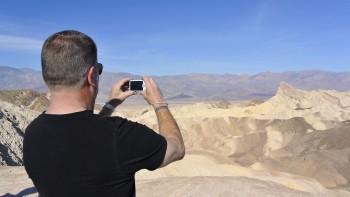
197	86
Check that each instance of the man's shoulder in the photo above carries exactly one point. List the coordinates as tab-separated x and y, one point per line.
120	122
80	118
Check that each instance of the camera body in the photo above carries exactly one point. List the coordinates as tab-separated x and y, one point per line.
137	85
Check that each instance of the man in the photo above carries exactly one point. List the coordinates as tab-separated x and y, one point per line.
69	151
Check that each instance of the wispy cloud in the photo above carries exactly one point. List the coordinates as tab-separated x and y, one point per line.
10	28
19	43
260	16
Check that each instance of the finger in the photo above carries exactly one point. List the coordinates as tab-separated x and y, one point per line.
129	93
147	81
152	81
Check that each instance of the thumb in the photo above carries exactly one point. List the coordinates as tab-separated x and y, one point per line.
128	93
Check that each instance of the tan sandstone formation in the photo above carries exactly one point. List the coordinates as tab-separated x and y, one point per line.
296	143
295	132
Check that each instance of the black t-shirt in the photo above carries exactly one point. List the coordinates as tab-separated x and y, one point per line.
84	154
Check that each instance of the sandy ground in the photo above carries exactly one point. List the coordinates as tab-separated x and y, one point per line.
219	186
14	182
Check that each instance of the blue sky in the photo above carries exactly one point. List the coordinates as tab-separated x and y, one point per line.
186	36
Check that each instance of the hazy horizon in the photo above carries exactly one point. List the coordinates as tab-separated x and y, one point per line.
199	73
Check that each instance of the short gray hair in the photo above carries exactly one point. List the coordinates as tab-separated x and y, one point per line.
65	59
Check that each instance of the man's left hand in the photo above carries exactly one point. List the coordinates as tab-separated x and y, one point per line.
120	92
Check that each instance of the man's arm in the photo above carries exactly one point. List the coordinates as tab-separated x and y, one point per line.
118	94
170	130
168	127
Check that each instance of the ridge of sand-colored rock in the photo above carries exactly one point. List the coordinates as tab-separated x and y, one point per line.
26	98
288	102
291	102
13	121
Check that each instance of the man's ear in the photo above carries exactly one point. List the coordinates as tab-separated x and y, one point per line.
91	77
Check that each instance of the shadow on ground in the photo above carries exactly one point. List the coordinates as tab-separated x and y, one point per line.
24	192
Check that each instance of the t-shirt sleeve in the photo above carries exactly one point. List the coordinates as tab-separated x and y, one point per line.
139	147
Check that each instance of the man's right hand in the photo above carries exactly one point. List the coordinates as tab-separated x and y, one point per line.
153	94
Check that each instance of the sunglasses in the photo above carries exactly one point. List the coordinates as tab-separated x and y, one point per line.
100	68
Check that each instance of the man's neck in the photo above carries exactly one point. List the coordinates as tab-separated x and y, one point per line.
69	101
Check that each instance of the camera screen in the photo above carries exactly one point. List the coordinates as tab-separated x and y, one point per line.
136	85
